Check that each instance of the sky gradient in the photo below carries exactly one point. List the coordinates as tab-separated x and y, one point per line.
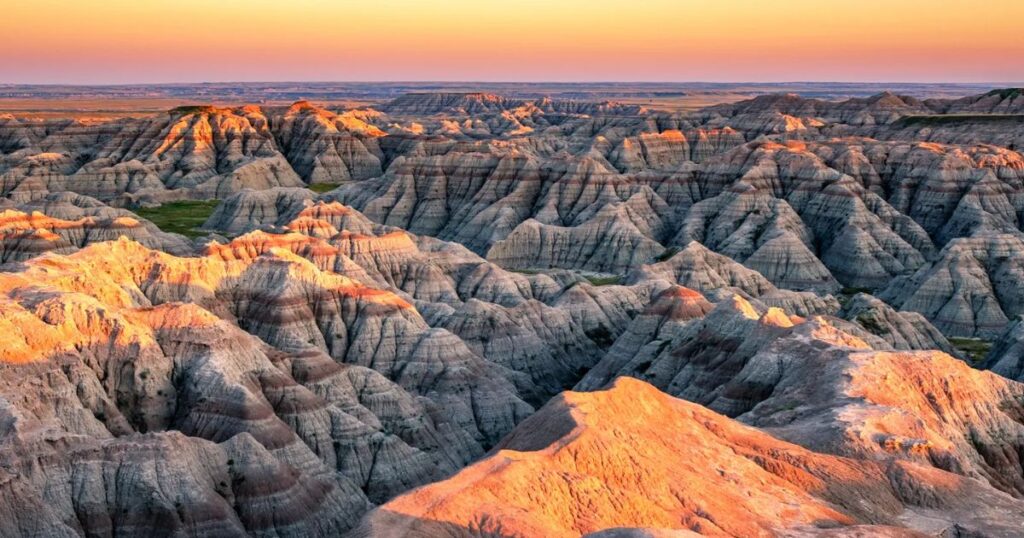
152	41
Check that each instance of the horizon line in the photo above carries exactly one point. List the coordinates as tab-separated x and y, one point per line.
1008	83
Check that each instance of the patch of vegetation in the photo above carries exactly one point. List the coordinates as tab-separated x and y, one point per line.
870	324
601	336
526	271
846	294
953	119
181	217
669	252
190	109
604	280
323	187
1006	93
975	348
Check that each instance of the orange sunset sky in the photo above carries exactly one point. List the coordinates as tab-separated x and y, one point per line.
126	41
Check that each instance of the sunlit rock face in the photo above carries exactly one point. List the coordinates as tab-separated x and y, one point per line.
189	152
755	305
340	387
308	349
816	383
633	457
65	222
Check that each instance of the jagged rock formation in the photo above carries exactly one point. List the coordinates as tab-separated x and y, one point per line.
476	104
605	460
812	383
999	101
352	380
799	212
324	147
700	269
1006	357
191	152
971	289
614	240
901	330
65	222
248	209
528	323
341	349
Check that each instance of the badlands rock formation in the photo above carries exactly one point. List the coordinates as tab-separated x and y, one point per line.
65	222
790	269
901	330
190	152
810	382
709	474
972	288
1006	357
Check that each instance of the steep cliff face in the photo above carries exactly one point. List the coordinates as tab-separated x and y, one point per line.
901	329
525	322
324	147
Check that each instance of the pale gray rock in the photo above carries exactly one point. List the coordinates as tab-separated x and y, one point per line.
902	330
971	289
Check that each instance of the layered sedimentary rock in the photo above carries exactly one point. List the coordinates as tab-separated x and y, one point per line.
248	209
614	240
971	289
476	103
812	194
700	269
813	383
902	330
1006	357
879	109
349	390
762	232
606	460
324	147
190	152
65	222
480	255
528	323
800	212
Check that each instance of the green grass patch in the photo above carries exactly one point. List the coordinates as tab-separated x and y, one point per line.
191	109
847	293
604	280
323	187
669	252
871	324
181	217
1007	93
975	348
953	119
526	271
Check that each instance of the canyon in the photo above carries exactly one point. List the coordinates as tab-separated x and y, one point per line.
467	313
